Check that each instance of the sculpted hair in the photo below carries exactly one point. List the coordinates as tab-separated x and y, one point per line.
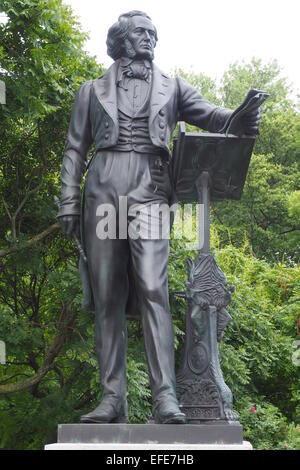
117	34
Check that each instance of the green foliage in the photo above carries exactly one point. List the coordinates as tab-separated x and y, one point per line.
280	136
294	204
267	428
240	77
264	213
42	58
51	375
203	83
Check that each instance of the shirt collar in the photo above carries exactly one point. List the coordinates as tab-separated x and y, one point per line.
125	62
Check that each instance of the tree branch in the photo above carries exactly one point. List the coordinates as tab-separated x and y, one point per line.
42	147
294	229
26	197
18	386
60	376
6	208
19	144
65	322
217	215
33	241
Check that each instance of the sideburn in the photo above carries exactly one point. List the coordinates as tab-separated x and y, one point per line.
130	52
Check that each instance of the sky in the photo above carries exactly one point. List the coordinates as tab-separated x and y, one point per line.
205	36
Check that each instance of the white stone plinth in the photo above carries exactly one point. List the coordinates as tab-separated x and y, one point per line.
173	447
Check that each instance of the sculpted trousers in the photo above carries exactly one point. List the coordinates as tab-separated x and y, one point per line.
143	179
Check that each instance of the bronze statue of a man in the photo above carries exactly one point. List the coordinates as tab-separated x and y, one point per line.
129	114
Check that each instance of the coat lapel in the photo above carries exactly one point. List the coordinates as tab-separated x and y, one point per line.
106	91
161	92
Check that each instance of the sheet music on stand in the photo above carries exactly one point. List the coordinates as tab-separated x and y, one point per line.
224	156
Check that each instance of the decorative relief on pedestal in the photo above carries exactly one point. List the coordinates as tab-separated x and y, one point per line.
207	286
199	358
199	400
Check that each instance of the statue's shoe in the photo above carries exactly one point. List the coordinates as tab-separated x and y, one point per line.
168	412
105	413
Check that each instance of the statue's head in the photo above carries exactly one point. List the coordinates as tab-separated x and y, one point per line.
133	36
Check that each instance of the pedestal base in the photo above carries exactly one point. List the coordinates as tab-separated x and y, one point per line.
215	435
136	447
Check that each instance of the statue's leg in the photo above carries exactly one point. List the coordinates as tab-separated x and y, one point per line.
108	270
149	254
150	258
107	265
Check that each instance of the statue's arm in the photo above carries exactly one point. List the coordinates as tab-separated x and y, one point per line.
79	141
194	109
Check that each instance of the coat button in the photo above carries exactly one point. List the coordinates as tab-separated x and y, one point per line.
106	125
106	136
161	124
161	112
162	136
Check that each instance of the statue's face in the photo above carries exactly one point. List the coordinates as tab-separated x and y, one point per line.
141	36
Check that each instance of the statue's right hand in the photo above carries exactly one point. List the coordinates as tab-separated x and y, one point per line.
70	224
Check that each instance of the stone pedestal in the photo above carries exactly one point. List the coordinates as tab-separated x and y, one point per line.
150	437
155	447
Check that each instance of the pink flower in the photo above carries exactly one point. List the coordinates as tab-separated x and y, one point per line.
253	409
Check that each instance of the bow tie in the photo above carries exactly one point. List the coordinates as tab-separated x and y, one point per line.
135	70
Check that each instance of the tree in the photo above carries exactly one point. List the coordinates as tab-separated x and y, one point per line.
274	175
42	65
240	77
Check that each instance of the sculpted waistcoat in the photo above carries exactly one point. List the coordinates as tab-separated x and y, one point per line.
133	117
